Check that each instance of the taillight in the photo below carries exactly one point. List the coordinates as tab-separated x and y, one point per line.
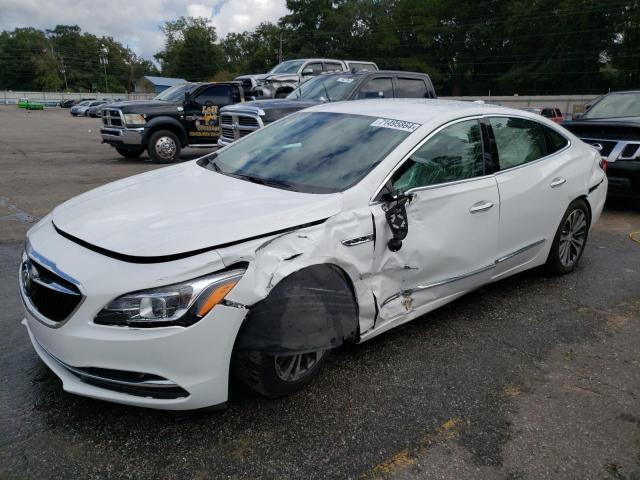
604	165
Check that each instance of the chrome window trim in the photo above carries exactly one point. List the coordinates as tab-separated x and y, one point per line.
373	200
51	266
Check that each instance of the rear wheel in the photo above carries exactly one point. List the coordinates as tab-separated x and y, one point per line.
570	240
277	375
130	152
164	146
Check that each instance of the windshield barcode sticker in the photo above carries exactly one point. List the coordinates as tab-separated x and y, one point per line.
344	80
396	124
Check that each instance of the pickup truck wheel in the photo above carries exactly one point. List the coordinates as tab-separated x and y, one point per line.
570	239
277	375
130	152
164	146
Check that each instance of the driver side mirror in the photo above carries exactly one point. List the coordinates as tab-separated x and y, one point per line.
307	71
395	212
187	98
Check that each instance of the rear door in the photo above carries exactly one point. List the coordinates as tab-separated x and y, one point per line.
536	181
201	113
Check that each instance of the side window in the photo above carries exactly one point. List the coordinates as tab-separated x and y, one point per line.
411	88
455	153
374	87
558	113
519	141
215	95
316	69
555	141
332	67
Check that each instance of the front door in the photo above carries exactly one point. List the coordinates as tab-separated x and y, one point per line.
452	226
201	113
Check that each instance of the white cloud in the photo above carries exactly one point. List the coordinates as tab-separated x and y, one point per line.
137	23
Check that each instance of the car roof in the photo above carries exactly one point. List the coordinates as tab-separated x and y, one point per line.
418	110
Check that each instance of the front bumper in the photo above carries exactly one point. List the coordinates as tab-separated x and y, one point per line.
195	359
624	179
118	137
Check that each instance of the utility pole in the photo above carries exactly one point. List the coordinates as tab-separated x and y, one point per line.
104	60
63	71
280	49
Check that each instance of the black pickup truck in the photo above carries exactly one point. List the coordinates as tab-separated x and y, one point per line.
237	121
612	126
181	116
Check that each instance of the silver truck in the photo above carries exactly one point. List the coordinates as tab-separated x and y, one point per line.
282	79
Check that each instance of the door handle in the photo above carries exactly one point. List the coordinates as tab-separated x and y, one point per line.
556	182
480	207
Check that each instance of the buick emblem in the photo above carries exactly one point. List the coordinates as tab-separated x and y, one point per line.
28	273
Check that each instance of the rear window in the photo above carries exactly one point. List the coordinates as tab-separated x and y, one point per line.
411	88
555	141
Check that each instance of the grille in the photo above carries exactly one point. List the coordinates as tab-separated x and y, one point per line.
630	150
227	132
111	118
607	146
248	121
226	120
54	297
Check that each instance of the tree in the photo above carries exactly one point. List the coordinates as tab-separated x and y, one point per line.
191	50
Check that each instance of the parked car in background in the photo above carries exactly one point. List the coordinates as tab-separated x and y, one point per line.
95	110
612	126
80	110
30	104
286	76
241	119
332	225
553	114
184	115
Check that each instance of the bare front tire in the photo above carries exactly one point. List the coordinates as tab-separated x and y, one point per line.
164	146
570	240
277	375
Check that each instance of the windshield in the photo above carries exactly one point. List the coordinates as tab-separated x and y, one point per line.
174	93
86	102
616	105
312	152
325	88
290	66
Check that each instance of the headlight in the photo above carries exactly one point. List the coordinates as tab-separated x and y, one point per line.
134	119
180	304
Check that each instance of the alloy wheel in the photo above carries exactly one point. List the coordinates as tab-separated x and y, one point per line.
572	238
291	368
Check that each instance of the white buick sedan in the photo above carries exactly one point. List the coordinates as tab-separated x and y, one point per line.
334	224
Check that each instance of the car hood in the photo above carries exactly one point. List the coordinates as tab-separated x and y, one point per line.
257	76
270	110
185	208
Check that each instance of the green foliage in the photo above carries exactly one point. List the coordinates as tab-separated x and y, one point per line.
33	59
191	50
468	47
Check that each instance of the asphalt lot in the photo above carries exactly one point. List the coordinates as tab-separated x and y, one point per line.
532	377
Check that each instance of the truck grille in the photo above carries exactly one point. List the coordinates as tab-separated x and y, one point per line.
239	125
613	150
111	117
51	295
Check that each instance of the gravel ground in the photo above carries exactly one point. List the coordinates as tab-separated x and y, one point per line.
532	377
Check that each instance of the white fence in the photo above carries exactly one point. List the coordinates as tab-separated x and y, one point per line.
52	99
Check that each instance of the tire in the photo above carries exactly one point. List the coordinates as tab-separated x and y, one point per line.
164	146
267	374
570	239
130	152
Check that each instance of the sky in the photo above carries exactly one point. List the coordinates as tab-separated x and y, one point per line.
136	23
